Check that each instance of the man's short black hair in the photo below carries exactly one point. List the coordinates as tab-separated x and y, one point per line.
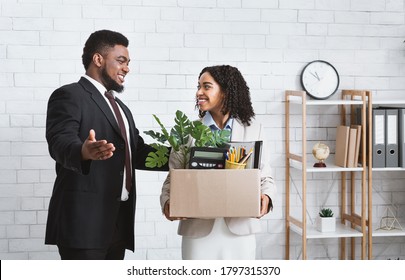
99	42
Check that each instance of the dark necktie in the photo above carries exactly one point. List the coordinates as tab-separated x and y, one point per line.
118	115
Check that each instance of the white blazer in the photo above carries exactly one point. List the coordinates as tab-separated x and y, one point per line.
240	226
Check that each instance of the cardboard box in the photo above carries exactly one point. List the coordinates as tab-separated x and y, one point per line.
211	193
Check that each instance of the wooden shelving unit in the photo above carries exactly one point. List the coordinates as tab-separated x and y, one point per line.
394	232
352	225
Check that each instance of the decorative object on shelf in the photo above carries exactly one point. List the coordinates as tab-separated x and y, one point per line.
326	222
320	79
321	153
389	221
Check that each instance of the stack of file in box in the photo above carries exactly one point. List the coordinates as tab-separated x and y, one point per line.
388	137
347	145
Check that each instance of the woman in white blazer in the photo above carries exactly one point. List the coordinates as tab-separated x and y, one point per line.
223	100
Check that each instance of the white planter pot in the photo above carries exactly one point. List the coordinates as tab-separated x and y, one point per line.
326	224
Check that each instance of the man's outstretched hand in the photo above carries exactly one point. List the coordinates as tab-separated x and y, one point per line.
96	150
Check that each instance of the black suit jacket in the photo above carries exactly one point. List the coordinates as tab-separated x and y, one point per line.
85	201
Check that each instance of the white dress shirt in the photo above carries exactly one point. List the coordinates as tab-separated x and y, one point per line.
102	90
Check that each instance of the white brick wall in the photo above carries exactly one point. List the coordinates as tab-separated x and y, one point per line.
270	41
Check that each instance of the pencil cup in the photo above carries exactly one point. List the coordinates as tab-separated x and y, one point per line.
234	165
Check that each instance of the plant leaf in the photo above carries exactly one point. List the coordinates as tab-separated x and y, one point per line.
157	158
326	212
201	133
156	135
174	143
164	130
220	138
182	128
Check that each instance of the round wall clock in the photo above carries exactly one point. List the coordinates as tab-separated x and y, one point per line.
320	79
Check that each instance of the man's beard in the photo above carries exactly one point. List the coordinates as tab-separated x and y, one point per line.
109	83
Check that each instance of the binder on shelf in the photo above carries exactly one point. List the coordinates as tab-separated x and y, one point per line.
391	138
342	140
401	140
378	141
358	144
351	147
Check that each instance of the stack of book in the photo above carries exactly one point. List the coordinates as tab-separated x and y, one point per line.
347	145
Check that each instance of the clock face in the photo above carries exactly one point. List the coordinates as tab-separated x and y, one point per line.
320	79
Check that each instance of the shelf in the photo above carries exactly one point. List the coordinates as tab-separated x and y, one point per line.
380	169
394	232
388	102
387	233
311	102
361	200
298	159
330	166
391	233
341	231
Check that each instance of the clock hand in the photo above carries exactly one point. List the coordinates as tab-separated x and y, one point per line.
315	75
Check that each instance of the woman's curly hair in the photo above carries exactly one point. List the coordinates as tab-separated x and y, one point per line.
236	92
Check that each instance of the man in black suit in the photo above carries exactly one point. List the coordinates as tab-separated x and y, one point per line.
92	208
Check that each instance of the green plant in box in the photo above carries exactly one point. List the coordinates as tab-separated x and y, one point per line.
326	213
182	136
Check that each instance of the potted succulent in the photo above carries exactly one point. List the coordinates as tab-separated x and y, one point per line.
326	222
181	137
